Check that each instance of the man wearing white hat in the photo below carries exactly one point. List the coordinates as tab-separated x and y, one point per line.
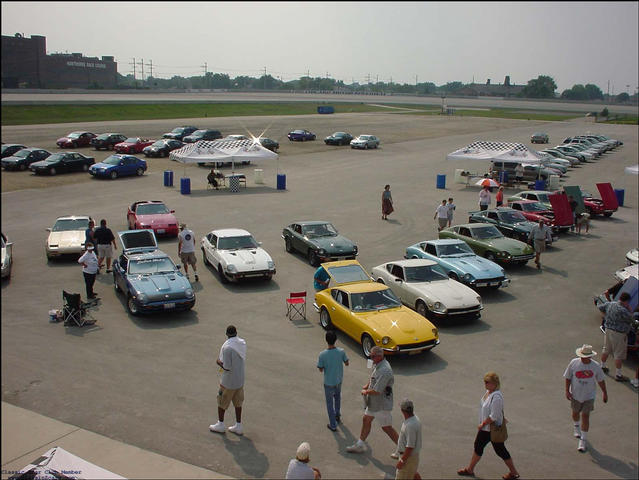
299	469
582	375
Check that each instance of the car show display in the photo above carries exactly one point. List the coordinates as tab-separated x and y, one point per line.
153	215
64	162
319	241
67	236
116	166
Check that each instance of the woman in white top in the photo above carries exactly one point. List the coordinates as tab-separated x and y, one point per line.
484	198
491	409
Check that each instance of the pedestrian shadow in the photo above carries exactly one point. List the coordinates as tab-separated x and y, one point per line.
253	463
616	467
344	438
301	323
393	221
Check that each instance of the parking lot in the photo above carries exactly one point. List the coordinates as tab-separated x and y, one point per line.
151	381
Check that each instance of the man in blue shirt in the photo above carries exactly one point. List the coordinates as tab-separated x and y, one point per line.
321	279
331	362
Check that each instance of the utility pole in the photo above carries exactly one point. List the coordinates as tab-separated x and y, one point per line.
416	80
205	68
368	78
308	73
608	88
142	67
264	78
150	65
133	68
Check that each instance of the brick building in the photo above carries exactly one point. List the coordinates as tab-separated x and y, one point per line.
26	64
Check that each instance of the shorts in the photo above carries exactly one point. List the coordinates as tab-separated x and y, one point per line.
409	469
188	258
226	395
443	222
540	246
586	406
383	416
105	250
615	344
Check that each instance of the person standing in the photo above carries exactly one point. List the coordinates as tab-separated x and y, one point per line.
321	279
519	173
582	375
539	234
186	250
299	469
231	360
441	215
331	363
88	234
106	243
484	198
499	198
573	208
583	219
409	443
378	398
491	410
387	203
617	321
89	263
451	211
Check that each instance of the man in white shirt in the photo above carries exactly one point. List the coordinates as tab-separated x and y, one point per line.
89	263
409	443
539	235
441	214
186	250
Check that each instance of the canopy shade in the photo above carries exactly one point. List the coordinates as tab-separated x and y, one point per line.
209	151
496	151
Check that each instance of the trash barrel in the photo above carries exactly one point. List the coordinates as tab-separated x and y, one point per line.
553	183
281	181
620	193
234	183
185	185
441	181
503	177
540	184
168	178
259	179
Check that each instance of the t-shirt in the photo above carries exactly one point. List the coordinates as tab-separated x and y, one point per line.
332	361
617	318
188	241
233	375
492	406
451	209
410	436
484	197
583	379
88	236
299	470
322	275
442	211
103	235
382	381
91	260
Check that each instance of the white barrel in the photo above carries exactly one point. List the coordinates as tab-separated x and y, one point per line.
459	178
259	176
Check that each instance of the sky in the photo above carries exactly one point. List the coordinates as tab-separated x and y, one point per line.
402	42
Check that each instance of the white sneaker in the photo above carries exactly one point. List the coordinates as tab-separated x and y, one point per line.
236	429
582	446
356	448
219	427
395	454
635	382
577	432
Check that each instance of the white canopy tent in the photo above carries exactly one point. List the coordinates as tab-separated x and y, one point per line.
632	169
496	151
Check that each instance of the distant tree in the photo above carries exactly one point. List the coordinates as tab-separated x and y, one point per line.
623	97
427	88
604	112
577	92
541	87
243	81
452	86
593	92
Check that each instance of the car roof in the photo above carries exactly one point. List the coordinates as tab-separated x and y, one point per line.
362	287
412	262
473	225
444	241
141	202
524	200
73	217
535	191
310	222
13	145
230	232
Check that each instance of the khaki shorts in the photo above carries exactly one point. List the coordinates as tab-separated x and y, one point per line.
540	246
226	395
582	407
443	222
105	250
409	469
615	344
188	258
383	416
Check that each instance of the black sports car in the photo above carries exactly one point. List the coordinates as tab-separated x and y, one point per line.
106	141
23	158
339	138
162	148
319	241
272	145
62	163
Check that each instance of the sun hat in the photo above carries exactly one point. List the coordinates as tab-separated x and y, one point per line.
182	226
585	351
303	451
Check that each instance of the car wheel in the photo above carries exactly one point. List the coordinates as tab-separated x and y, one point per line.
114	175
288	244
375	146
453	276
52	171
204	259
420	307
379	280
85	168
139	172
490	256
366	146
325	319
131	306
367	345
607	214
23	167
74	145
312	258
221	274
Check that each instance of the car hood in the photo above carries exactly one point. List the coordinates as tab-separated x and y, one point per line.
523	226
160	219
337	243
66	239
39	164
106	166
514	247
477	266
12	159
159	283
449	292
63	139
401	324
250	259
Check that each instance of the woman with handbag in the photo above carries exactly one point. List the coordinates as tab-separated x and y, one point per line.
492	428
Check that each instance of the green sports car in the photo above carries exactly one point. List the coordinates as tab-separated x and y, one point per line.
487	241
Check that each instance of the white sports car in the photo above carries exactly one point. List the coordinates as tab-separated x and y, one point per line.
235	255
67	236
7	258
424	286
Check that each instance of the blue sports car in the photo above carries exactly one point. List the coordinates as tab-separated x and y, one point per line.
118	166
460	262
300	135
148	277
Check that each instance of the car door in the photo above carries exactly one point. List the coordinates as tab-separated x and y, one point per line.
131	164
340	312
210	248
397	283
466	235
298	240
131	216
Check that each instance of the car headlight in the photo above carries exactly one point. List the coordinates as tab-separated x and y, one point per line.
479	299
321	252
355	249
270	264
468	277
141	297
439	307
189	292
434	330
505	254
386	340
231	268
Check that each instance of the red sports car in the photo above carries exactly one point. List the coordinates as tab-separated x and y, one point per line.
153	215
75	140
133	145
533	211
606	205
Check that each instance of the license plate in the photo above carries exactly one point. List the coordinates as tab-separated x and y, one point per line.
482	284
160	230
415	352
168	306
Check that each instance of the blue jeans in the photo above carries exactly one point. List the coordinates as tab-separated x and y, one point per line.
333	402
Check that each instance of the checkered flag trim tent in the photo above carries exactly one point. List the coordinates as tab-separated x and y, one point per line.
497	146
221	150
487	150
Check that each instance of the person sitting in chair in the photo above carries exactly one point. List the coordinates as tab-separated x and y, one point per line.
211	178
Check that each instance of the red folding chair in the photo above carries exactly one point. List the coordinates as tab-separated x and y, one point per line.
296	305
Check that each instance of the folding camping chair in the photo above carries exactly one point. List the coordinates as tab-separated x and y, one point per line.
75	311
296	305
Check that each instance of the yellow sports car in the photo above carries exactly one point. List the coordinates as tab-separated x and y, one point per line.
370	313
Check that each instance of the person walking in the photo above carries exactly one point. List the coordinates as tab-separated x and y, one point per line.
409	443
231	360
484	198
186	250
499	198
298	467
387	203
441	215
88	234
582	376
583	219
617	321
378	398
539	234
106	244
491	410
331	363
89	263
451	211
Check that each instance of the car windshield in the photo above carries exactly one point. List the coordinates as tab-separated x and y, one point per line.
364	137
22	153
198	133
424	273
69	224
159	143
370	301
348	273
455	249
74	135
511	217
484	233
298	131
339	134
533	207
112	160
177	130
236	243
319	230
151	209
151	266
104	136
56	157
132	140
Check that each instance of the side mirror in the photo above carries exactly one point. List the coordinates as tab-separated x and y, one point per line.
399	280
178	266
48	229
259	243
